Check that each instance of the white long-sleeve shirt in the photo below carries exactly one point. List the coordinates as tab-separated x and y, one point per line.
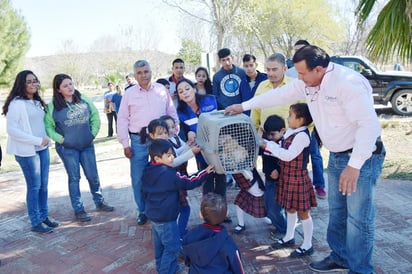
299	143
341	108
21	140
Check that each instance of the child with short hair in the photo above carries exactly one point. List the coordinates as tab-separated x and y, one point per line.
273	130
162	129
295	190
208	248
160	190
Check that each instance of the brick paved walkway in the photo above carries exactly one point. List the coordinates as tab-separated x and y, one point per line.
113	243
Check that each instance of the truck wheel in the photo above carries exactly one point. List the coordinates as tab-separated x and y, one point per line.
402	102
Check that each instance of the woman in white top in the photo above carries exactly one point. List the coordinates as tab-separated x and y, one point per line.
28	142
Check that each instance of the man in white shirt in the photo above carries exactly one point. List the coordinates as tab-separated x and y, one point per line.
341	104
314	148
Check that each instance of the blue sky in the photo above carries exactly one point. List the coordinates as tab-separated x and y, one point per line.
53	21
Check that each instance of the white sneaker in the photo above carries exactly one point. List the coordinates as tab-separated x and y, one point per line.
267	220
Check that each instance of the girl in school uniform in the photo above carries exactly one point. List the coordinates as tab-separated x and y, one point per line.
250	198
295	190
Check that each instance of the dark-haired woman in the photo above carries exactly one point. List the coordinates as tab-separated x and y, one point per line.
28	142
190	105
73	122
203	82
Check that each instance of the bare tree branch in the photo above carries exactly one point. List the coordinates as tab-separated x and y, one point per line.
185	11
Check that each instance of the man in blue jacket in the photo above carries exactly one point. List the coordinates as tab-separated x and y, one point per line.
253	78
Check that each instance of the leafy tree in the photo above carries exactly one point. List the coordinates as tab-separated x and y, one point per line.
113	77
14	42
392	32
277	25
190	52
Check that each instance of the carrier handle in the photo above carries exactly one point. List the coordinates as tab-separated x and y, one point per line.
203	147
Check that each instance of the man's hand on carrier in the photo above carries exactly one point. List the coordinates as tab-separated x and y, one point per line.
210	169
233	109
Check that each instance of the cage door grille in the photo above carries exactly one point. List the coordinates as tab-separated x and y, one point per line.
237	147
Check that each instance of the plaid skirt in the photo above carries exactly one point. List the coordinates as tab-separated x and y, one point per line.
296	192
252	205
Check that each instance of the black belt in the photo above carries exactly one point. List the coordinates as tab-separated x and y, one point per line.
378	150
134	133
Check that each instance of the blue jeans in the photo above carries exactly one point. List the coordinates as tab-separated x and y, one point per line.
72	159
36	173
139	160
351	225
317	162
167	244
274	211
183	219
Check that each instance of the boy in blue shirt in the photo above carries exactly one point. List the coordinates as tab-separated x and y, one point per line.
160	190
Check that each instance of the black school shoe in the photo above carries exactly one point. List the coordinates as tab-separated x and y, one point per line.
238	229
280	243
326	265
50	223
141	219
301	252
41	228
227	220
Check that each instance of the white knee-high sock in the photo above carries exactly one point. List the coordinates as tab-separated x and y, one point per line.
307	233
240	216
291	224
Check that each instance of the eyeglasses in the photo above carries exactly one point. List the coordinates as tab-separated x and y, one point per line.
32	82
313	92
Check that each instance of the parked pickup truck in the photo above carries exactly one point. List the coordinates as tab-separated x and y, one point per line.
393	87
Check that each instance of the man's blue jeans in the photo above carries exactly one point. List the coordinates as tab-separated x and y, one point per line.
274	211
317	162
36	173
139	160
351	225
72	159
167	244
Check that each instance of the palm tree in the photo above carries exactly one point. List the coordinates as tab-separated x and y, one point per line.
392	33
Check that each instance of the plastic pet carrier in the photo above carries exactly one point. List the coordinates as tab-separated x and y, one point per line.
229	142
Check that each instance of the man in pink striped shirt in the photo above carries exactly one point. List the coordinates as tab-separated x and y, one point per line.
140	104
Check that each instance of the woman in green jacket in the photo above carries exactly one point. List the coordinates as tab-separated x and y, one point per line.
72	121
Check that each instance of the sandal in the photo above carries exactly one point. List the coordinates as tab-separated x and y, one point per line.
238	229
